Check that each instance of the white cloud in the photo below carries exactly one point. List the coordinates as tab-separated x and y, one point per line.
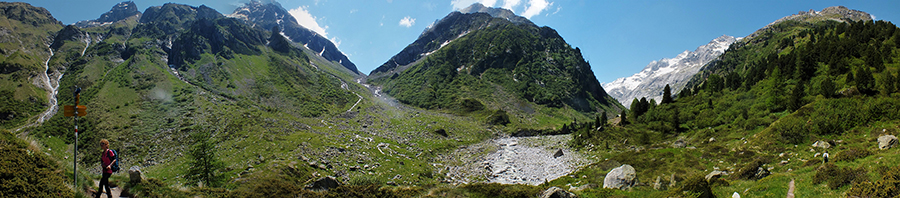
354	11
535	7
336	41
308	20
460	4
509	4
408	22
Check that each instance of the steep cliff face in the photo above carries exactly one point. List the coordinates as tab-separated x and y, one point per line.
675	72
265	16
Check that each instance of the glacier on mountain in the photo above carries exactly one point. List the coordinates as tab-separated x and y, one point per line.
676	71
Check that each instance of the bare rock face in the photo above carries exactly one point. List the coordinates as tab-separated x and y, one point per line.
623	177
887	141
554	192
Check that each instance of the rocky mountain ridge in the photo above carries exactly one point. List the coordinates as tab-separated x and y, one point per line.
675	72
118	12
265	16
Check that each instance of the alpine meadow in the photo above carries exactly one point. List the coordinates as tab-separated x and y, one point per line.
485	102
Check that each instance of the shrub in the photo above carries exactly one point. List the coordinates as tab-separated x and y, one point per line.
693	186
852	154
749	171
26	172
363	180
836	176
499	118
501	190
889	186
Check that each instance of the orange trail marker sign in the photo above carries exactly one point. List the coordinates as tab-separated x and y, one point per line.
71	110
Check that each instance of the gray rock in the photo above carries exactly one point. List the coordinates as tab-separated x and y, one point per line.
821	144
325	183
554	192
135	174
715	175
558	153
887	141
658	185
672	181
760	173
680	143
623	177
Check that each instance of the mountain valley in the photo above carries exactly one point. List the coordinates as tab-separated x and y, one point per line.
484	103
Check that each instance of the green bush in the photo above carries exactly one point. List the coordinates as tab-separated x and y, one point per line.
889	186
693	186
501	190
499	117
852	154
836	176
27	172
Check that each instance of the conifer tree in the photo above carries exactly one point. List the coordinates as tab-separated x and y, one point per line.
667	95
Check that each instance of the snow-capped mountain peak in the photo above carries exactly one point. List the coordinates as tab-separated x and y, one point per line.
673	71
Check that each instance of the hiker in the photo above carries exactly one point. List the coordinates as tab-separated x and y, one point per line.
106	160
825	156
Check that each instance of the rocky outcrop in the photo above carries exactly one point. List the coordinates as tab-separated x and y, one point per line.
623	177
821	144
837	13
120	11
554	192
715	175
887	141
325	183
266	16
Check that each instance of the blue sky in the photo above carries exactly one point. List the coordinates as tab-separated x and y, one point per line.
618	38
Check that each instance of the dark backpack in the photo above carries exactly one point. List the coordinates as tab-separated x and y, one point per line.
115	156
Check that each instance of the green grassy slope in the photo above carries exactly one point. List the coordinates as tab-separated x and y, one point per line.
762	104
24	48
528	71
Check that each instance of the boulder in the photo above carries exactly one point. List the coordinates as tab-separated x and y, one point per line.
558	153
623	177
554	192
887	141
680	143
821	144
760	173
715	175
135	174
325	183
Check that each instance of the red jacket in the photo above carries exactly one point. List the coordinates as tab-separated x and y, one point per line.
105	160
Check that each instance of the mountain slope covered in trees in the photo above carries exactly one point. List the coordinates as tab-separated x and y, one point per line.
474	61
